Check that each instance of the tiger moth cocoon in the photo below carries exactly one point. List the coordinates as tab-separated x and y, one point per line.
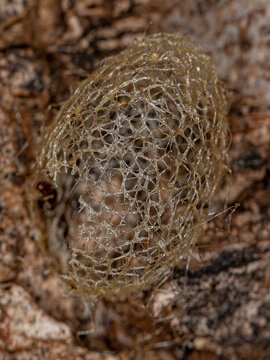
131	163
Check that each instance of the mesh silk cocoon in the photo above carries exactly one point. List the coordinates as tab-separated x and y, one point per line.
134	158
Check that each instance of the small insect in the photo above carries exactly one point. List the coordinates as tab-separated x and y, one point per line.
130	165
48	192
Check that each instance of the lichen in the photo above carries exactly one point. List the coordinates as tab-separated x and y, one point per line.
126	171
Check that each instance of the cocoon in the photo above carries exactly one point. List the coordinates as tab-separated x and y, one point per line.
125	172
